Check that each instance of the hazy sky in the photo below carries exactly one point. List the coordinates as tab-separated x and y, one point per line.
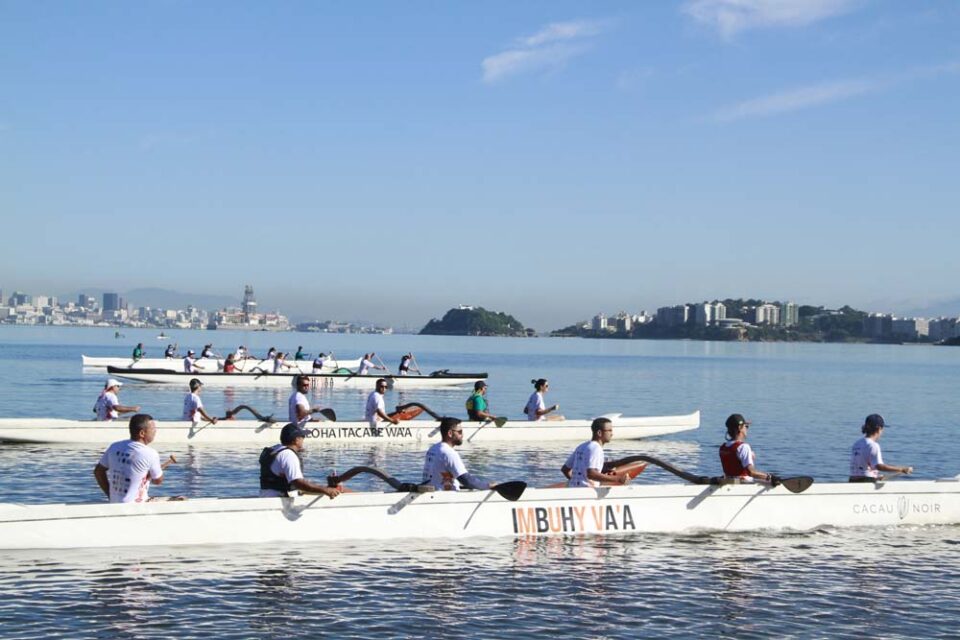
550	159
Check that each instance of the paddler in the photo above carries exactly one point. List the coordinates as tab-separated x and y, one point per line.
190	362
298	407
584	467
477	407
536	408
128	467
866	460
138	352
192	405
319	361
367	363
405	361
443	467
281	467
299	355
375	408
108	405
737	457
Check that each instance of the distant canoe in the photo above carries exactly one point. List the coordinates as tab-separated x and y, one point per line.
56	431
212	364
317	380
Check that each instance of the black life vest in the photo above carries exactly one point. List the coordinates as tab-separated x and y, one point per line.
270	480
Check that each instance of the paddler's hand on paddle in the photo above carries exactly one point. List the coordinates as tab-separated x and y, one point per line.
171	460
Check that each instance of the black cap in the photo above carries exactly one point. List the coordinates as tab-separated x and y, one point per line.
479	384
735	420
291	432
195	384
874	420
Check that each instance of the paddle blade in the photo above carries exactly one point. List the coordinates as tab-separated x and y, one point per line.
329	414
408	412
511	490
799	484
500	421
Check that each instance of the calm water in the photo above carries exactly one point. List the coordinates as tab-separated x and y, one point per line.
806	403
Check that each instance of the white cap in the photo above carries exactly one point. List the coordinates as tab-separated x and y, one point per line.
113	382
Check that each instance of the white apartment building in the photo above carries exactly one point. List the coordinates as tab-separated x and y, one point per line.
789	314
767	314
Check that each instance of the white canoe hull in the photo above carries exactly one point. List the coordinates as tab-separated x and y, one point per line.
539	512
213	364
285	380
52	431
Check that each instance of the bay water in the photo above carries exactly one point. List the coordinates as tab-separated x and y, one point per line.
806	403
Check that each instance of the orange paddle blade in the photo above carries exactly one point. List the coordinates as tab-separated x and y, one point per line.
407	414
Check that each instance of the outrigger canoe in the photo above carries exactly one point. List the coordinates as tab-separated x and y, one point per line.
53	431
664	508
437	379
255	365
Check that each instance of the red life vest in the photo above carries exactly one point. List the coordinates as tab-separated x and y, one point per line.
730	461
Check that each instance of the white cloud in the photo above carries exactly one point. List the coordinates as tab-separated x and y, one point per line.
828	92
796	99
729	17
547	49
563	31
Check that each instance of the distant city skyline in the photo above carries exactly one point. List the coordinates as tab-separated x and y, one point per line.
550	160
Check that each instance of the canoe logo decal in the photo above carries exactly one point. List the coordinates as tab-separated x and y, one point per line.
903	507
533	520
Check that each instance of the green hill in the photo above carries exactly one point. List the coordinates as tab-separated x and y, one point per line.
474	322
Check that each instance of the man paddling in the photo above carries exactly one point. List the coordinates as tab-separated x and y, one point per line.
737	457
866	459
138	352
108	405
193	405
281	467
375	408
477	407
128	467
298	407
443	467
584	467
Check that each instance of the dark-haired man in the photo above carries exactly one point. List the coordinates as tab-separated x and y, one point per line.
477	407
584	467
375	408
443	467
281	467
128	467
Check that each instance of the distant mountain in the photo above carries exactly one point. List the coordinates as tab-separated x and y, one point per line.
935	308
161	298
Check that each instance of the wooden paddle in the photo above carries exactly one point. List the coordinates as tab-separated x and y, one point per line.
171	460
404	407
797	484
245	407
329	414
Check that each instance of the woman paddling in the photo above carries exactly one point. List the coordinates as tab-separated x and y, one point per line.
866	460
737	457
536	408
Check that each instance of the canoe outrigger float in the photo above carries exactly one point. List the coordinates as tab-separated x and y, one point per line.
211	365
507	511
341	380
267	431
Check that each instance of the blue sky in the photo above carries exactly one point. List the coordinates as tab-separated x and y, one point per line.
387	161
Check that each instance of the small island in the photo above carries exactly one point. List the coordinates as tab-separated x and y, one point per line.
475	321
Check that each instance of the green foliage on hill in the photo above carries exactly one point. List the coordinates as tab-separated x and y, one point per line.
474	322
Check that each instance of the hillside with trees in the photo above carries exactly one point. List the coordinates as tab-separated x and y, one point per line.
475	321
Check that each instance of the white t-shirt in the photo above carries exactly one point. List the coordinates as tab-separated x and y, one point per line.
191	406
365	365
106	404
864	458
318	363
374	402
297	399
442	467
588	455
285	464
130	467
188	364
241	353
533	404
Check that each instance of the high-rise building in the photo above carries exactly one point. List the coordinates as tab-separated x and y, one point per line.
878	325
789	314
249	306
599	322
673	316
709	313
767	314
111	302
